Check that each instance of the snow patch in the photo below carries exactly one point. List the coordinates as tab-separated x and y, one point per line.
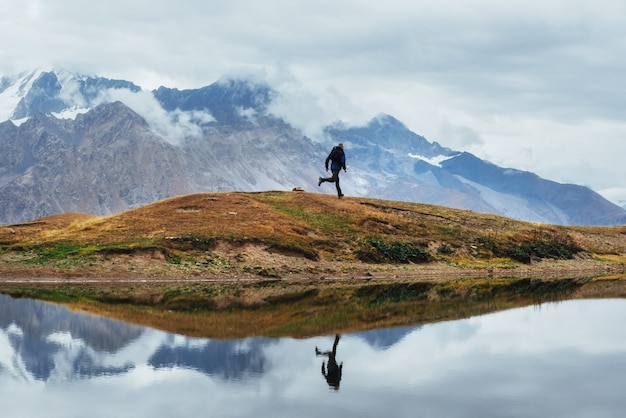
13	89
68	114
436	161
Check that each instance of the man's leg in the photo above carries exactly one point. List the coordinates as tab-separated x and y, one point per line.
330	179
336	177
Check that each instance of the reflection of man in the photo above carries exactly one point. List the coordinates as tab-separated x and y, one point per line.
333	372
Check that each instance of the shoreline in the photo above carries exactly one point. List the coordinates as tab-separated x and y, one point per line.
140	270
338	301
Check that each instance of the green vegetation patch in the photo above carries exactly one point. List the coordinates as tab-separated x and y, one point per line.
190	298
191	242
527	246
379	251
541	244
46	253
394	293
484	290
64	250
324	221
61	295
294	247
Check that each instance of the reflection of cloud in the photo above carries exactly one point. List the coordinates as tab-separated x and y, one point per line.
65	340
536	356
11	362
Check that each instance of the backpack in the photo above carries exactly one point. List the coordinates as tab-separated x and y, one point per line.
335	155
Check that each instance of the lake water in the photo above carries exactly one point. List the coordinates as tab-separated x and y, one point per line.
554	360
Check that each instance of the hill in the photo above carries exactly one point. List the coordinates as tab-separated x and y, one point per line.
295	234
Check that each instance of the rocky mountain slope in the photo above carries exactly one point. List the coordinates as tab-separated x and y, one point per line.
99	146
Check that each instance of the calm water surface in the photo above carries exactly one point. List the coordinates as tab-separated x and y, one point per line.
553	360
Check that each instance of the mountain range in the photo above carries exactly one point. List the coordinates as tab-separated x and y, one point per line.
73	143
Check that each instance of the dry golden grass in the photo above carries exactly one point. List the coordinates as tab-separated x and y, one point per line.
283	234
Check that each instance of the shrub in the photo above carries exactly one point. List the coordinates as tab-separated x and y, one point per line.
378	251
445	249
542	244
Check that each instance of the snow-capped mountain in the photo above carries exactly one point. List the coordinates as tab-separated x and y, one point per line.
54	93
94	145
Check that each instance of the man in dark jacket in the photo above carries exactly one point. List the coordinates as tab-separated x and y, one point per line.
338	161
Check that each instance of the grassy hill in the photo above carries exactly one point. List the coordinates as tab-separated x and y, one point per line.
259	252
314	227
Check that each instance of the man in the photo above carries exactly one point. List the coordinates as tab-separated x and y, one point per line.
338	161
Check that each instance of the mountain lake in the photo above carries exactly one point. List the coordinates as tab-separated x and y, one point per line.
565	359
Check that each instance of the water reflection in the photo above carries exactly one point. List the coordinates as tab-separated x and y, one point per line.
45	341
333	372
557	360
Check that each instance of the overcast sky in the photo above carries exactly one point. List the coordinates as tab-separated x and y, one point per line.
537	85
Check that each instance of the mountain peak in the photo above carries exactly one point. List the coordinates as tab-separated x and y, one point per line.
43	96
52	91
230	101
384	132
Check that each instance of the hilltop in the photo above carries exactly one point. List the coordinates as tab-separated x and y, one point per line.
296	234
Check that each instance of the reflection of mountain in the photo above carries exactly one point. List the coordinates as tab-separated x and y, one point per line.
43	341
36	331
385	338
37	320
228	359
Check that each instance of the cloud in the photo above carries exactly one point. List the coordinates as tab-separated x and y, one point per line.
517	75
615	194
310	111
458	137
174	126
